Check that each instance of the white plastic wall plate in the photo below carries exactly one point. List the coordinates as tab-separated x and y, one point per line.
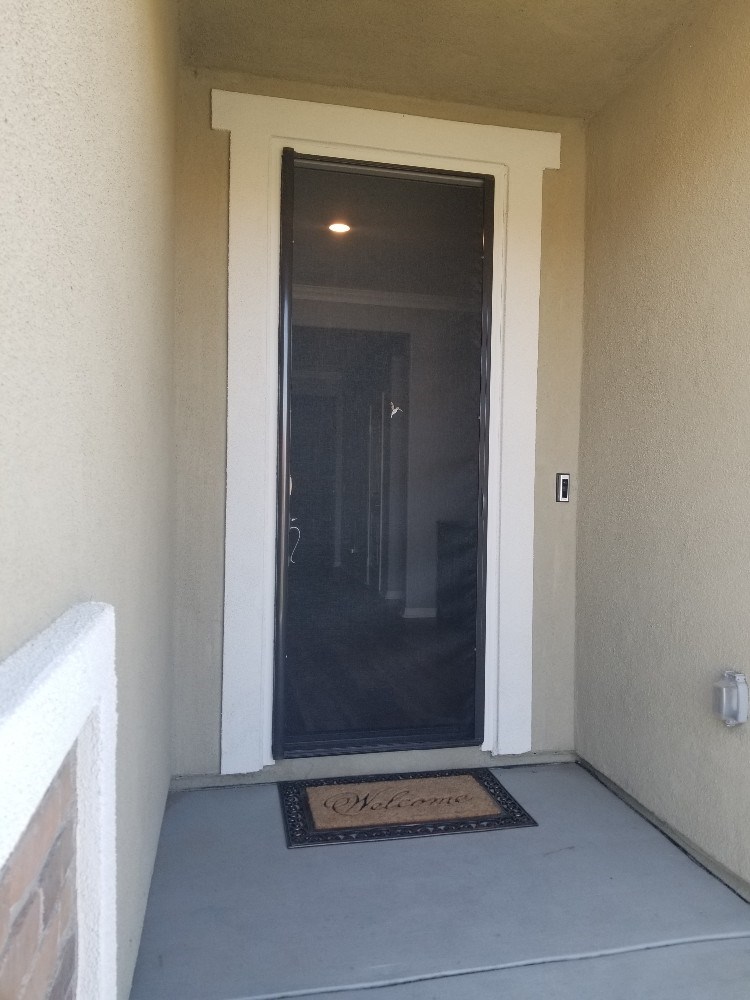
731	698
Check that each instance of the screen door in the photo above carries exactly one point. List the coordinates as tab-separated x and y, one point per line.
384	367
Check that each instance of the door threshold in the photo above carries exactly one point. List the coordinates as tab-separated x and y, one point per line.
336	746
345	765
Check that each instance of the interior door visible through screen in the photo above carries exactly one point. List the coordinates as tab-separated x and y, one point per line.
384	368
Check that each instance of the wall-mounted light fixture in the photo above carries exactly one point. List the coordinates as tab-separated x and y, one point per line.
339	227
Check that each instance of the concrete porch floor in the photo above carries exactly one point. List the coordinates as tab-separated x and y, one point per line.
592	903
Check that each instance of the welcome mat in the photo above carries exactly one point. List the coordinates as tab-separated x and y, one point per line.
392	806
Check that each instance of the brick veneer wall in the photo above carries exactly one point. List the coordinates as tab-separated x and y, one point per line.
38	956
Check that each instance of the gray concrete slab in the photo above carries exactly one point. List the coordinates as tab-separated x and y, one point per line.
234	914
712	971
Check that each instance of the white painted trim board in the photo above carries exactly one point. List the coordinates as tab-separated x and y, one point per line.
260	127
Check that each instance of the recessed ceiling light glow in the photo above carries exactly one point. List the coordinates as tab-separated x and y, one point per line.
339	227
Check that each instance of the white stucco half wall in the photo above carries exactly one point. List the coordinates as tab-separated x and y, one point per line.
260	128
56	691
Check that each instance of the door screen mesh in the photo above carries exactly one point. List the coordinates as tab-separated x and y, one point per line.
380	622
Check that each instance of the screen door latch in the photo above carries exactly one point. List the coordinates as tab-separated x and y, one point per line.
562	487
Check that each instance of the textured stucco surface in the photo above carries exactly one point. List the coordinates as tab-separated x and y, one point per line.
86	404
201	404
664	546
564	57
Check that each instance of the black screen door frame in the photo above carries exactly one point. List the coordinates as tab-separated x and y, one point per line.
365	744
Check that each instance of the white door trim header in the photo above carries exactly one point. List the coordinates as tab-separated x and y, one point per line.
260	128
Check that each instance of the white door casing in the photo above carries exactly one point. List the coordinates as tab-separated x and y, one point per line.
260	127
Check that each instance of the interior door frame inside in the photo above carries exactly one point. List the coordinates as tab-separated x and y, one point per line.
260	127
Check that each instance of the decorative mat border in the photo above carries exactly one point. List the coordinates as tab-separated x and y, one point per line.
301	832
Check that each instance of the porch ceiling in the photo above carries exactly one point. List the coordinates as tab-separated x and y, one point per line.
563	57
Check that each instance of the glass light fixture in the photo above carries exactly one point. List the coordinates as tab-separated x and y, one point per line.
339	227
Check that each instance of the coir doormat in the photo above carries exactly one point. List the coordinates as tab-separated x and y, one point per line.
392	806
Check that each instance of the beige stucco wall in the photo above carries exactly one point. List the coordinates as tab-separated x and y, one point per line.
664	545
201	404
86	404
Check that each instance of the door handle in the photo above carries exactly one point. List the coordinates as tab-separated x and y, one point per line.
294	527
